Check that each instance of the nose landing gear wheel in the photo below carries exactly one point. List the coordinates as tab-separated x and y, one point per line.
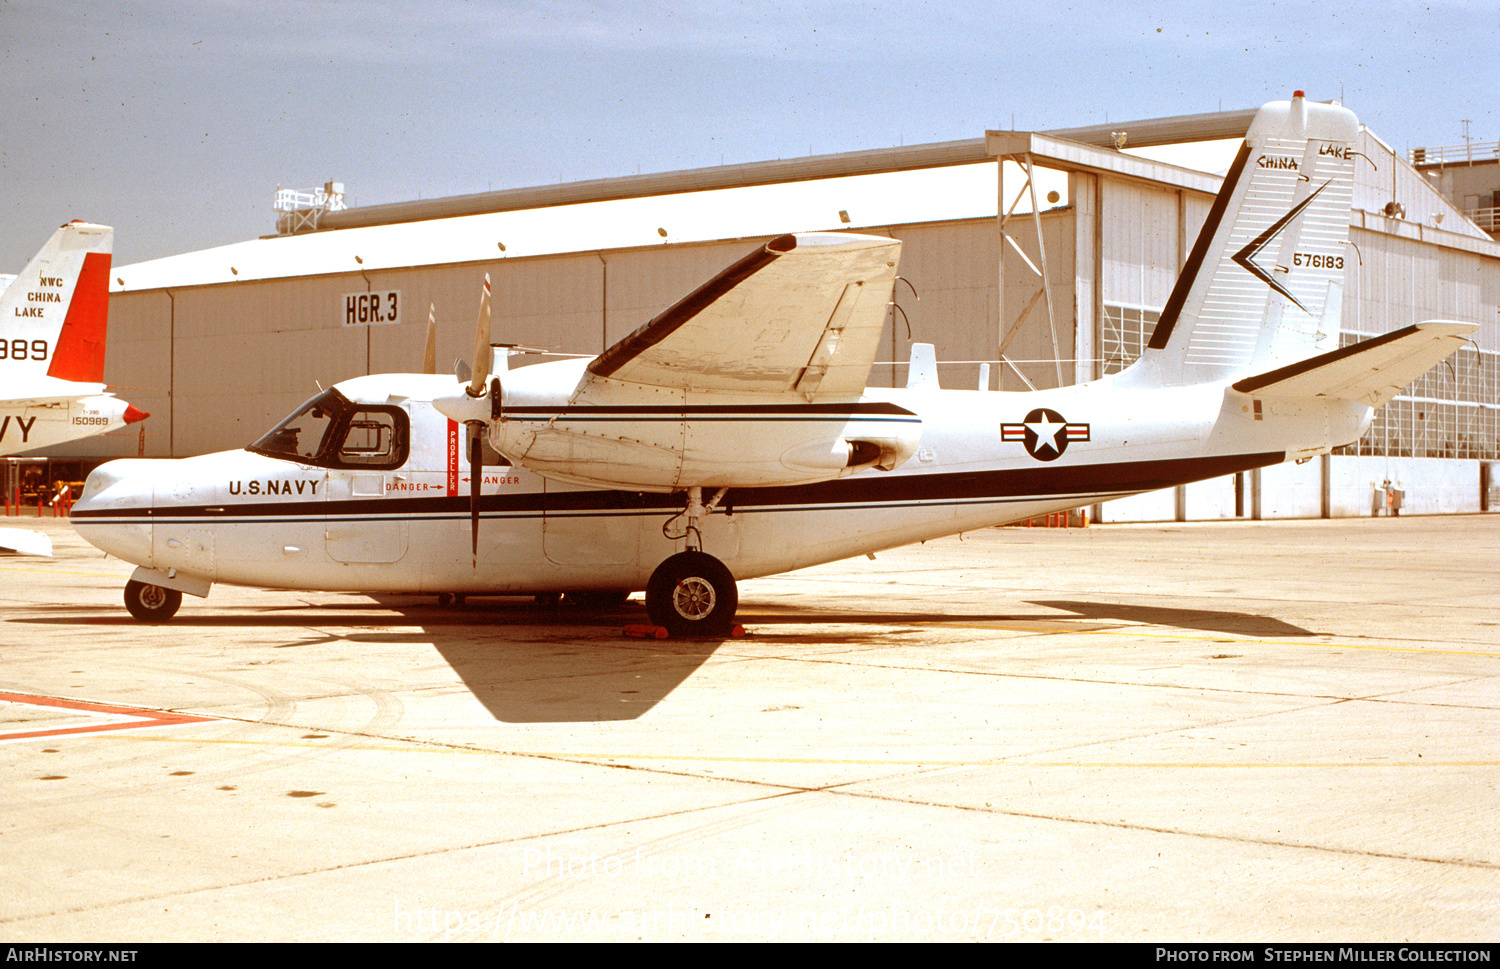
692	594
151	603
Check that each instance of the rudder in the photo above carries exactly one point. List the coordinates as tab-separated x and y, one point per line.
1263	285
54	316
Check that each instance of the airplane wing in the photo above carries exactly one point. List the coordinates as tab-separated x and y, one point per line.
25	541
1370	372
755	379
799	318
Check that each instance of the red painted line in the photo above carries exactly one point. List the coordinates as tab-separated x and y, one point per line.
139	717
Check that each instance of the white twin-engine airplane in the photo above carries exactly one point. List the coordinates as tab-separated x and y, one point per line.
733	435
53	318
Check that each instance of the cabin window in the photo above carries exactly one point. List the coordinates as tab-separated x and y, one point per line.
370	439
330	431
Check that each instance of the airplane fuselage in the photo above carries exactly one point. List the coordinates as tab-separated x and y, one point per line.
732	435
983	458
31	425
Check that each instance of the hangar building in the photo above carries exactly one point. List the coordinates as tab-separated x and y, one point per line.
1046	255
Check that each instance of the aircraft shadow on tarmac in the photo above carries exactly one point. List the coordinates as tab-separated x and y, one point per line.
1086	616
525	663
1204	620
571	664
529	663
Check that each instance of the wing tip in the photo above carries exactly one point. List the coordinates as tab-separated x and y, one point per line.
828	241
1448	327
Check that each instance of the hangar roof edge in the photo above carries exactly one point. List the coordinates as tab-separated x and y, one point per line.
1140	134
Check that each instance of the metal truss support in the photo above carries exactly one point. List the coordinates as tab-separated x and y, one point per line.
1008	242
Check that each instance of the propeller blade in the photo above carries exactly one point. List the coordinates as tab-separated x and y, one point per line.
429	357
482	344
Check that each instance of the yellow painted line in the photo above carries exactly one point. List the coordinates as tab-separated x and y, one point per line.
102	575
420	748
1150	765
1142	633
994	763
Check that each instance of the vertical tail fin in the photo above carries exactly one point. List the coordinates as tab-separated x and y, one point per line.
55	314
1263	286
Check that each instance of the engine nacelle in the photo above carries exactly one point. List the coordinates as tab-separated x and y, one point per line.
709	445
642	438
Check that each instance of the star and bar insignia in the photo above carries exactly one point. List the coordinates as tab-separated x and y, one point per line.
1045	433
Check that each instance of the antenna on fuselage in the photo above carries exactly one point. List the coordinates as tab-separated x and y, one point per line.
429	355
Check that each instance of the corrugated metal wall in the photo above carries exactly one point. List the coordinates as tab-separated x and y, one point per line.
1142	242
1383	177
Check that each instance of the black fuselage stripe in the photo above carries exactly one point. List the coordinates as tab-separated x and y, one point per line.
1084	498
1087	482
587	417
865	410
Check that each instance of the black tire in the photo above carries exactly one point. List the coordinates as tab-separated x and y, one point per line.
692	594
151	603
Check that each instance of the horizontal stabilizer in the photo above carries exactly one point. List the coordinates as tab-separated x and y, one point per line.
41	391
1370	372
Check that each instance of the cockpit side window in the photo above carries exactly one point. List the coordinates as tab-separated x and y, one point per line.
330	431
374	438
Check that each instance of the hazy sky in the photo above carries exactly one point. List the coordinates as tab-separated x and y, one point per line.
175	120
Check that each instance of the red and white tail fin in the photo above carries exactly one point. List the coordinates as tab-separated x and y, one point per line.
55	314
1263	286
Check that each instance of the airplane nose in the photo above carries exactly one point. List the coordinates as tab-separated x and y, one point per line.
114	512
120	484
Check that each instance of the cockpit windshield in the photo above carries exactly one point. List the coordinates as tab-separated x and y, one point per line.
330	431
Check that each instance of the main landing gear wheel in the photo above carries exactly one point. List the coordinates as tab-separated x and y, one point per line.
692	594
151	603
